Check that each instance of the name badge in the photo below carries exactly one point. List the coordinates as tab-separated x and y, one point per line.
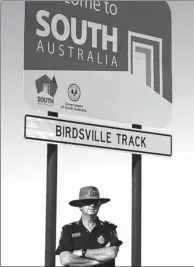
76	234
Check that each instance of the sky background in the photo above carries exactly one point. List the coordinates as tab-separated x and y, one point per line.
167	182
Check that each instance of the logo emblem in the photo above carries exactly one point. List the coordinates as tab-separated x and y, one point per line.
93	193
74	92
45	84
101	240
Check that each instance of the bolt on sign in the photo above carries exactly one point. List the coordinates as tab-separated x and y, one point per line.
100	59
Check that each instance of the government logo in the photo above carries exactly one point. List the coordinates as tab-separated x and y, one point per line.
74	92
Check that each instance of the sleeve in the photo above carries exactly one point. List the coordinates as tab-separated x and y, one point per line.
65	242
113	237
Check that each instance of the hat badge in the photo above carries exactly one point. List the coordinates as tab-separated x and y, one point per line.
93	193
101	240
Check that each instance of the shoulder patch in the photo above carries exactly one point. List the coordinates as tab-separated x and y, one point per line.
115	233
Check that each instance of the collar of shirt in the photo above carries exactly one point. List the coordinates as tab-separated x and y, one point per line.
98	224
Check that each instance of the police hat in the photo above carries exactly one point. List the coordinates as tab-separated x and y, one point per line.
87	195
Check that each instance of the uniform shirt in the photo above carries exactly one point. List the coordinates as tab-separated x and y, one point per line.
75	236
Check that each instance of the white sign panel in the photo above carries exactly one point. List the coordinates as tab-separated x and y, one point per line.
76	133
100	59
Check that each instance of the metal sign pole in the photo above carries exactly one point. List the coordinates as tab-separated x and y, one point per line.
51	202
136	206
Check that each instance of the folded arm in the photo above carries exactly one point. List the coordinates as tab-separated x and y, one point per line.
102	254
70	259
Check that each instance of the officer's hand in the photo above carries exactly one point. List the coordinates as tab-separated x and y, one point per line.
78	252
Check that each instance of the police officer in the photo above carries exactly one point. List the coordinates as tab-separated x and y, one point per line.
89	241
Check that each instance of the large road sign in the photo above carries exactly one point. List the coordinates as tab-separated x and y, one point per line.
99	59
76	133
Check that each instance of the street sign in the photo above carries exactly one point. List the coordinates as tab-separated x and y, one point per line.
100	59
85	134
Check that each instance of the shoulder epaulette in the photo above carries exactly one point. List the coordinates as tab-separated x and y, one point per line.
110	224
70	224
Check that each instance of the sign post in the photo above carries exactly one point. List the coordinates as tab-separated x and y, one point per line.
136	207
51	202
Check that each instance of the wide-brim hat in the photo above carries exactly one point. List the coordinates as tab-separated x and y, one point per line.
86	194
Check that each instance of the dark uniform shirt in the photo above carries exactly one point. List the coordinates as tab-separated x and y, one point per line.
75	236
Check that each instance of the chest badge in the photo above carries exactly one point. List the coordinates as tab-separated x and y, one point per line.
76	234
101	240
